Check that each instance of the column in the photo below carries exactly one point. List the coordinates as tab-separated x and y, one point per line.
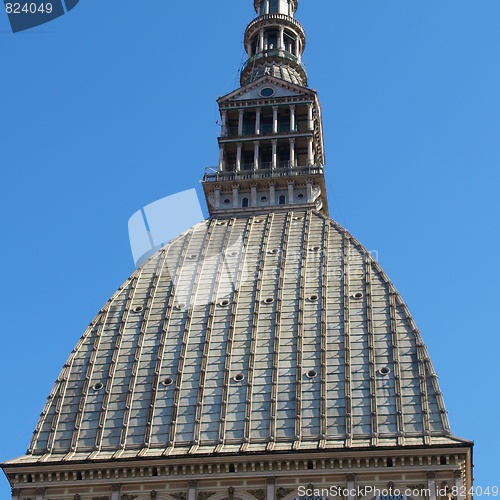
39	493
267	6
253	195
115	491
236	198
350	478
238	157
240	122
192	485
256	152
217	197
281	39
257	121
275	154
249	49
297	47
291	197
457	476
431	485
221	158
310	154
224	123
292	118
309	191
270	487
275	119
261	40
292	152
310	116
272	193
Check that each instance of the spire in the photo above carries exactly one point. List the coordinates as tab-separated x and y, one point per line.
271	153
274	43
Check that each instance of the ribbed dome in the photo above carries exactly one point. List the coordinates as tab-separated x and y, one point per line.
276	69
248	334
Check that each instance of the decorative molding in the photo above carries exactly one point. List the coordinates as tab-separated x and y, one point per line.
283	492
128	497
181	495
230	492
203	495
259	494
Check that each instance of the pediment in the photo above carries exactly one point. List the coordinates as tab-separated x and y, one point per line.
257	90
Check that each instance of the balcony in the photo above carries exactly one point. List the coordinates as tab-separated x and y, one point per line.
274	53
277	19
283	170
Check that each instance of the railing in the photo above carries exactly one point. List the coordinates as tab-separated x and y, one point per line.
274	53
275	16
212	175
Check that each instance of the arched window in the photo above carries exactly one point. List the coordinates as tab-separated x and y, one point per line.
244	202
282	199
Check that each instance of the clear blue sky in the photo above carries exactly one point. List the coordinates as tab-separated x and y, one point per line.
112	106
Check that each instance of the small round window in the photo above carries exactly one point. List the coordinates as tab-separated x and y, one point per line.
267	92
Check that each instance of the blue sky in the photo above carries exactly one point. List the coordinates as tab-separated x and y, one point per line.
112	106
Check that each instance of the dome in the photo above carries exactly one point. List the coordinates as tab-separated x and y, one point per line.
278	70
247	334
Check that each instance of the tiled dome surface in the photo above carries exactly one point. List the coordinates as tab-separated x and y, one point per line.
289	302
283	71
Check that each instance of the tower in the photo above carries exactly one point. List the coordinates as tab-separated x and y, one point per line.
263	354
271	152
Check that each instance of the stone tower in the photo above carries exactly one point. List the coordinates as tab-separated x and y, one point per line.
261	355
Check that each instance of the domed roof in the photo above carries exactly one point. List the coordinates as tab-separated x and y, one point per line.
274	68
269	333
